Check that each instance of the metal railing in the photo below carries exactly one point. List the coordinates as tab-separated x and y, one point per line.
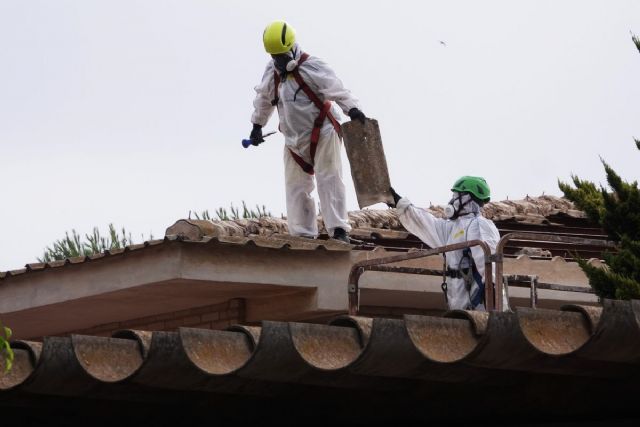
491	302
378	265
531	282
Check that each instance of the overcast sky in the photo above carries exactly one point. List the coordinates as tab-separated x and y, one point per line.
132	112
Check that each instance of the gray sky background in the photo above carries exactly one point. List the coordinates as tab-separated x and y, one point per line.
132	112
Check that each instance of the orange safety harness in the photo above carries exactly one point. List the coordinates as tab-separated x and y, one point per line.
325	112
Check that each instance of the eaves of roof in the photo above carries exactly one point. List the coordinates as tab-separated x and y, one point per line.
375	228
277	242
355	353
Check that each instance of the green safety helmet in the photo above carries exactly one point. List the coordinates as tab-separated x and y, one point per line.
474	185
278	37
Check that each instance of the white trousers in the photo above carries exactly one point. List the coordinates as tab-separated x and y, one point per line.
301	208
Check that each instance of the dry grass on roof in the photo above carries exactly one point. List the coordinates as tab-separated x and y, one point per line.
534	208
542	205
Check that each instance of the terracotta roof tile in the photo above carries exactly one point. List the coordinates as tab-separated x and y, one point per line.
137	246
97	256
36	266
114	251
276	241
16	272
155	242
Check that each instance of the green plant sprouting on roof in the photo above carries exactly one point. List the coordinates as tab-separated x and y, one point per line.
75	245
233	213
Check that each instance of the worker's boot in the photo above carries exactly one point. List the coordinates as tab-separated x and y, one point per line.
341	234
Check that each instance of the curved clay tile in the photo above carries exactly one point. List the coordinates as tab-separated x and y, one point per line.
546	341
616	336
143	338
216	352
108	360
324	347
441	339
26	356
395	348
252	332
59	371
302	353
478	319
167	365
591	313
275	357
350	352
362	325
521	339
389	351
554	332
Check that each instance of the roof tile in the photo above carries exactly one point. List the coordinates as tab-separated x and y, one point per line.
57	263
367	224
460	347
36	266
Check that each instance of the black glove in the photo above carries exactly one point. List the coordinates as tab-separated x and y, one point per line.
396	197
256	135
356	114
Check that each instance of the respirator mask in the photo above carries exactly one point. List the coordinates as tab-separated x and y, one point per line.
285	62
456	205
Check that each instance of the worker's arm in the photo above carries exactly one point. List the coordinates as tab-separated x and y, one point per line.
423	224
264	95
328	84
487	232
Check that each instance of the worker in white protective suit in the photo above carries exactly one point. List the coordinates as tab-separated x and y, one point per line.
464	287
302	87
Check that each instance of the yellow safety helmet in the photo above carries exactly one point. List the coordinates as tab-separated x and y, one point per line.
278	37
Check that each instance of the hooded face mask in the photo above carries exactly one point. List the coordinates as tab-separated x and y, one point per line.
460	204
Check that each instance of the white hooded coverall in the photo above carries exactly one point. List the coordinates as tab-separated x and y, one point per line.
297	114
436	232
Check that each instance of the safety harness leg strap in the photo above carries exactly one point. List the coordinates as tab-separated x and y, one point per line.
301	162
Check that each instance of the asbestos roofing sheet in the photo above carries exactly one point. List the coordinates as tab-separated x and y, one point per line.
461	347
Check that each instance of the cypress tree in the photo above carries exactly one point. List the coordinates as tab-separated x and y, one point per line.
617	210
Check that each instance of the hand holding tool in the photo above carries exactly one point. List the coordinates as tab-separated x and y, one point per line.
247	142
